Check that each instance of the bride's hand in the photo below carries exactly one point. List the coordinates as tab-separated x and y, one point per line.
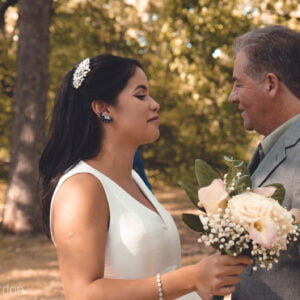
218	274
204	296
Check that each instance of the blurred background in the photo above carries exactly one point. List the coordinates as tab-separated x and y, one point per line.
185	46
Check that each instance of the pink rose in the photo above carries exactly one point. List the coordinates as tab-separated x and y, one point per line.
266	191
213	197
263	231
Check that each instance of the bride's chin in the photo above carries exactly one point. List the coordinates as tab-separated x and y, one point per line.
153	138
157	136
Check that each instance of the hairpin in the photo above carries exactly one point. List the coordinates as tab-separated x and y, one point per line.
81	72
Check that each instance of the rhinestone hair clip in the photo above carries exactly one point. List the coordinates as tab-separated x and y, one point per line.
80	73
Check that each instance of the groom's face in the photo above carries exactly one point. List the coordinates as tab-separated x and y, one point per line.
249	95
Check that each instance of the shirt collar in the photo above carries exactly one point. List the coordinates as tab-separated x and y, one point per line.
270	139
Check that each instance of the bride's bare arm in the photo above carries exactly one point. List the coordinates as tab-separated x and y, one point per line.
80	221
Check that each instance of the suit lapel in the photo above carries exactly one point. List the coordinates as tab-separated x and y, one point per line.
269	163
275	156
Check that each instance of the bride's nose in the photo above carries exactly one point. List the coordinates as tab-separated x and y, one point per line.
154	105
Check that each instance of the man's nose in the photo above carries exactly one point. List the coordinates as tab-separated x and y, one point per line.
233	96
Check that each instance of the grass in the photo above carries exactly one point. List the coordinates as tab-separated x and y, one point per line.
29	267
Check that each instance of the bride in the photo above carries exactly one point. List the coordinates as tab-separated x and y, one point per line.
113	238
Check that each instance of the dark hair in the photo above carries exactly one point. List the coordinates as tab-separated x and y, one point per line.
272	49
75	131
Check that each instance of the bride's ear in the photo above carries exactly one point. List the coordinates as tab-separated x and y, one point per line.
99	107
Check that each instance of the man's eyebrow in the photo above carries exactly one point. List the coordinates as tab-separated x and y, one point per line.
141	87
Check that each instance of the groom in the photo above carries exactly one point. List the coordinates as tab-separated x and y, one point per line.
266	90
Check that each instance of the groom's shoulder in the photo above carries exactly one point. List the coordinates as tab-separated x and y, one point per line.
291	136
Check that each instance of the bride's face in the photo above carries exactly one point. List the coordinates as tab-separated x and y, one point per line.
135	116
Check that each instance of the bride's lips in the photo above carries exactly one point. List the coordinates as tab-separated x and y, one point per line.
153	119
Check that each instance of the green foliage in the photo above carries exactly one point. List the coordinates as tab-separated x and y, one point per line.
193	222
195	110
7	78
86	29
191	192
186	49
205	174
239	183
279	193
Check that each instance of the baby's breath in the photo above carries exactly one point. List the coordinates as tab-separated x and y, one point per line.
228	227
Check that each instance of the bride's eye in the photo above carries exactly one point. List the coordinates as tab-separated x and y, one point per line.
141	97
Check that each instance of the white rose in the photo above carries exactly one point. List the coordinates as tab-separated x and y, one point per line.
254	212
248	207
260	216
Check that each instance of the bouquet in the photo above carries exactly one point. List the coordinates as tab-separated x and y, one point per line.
236	218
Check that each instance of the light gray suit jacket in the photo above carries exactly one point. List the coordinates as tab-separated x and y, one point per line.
280	165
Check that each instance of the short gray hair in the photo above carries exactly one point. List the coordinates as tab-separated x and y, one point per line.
272	49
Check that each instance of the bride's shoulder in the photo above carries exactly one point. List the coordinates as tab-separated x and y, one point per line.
78	193
79	199
81	183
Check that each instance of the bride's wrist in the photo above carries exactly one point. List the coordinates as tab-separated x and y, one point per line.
196	277
178	283
190	277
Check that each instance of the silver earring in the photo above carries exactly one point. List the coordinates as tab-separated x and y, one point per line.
104	118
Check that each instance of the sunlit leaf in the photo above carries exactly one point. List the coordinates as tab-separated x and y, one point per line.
205	174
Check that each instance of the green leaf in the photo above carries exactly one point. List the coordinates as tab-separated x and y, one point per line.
243	183
238	183
229	252
191	191
205	174
230	160
193	222
279	193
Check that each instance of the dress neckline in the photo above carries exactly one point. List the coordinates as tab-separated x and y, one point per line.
142	187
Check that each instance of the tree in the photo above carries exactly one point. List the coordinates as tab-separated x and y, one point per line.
29	108
196	121
190	65
7	79
185	47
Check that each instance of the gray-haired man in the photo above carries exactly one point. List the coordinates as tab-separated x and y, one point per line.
267	91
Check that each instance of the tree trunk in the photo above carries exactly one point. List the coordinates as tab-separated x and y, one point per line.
21	211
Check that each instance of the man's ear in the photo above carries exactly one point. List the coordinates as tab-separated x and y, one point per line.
272	84
99	106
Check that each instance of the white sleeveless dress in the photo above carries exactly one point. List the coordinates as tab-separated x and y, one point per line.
140	242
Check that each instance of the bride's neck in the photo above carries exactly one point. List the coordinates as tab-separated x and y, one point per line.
114	163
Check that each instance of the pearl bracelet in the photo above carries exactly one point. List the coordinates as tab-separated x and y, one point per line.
160	289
